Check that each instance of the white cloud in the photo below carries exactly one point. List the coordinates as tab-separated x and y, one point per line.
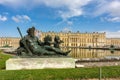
66	8
15	3
73	8
114	19
66	29
114	8
14	18
110	34
111	19
109	7
69	23
21	18
26	17
71	13
113	34
3	18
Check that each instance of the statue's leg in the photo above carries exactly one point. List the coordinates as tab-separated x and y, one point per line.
20	50
49	53
43	51
57	50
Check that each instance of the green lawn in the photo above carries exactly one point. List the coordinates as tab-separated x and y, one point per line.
60	74
3	58
56	74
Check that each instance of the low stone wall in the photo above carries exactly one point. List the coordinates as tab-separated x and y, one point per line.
39	63
97	63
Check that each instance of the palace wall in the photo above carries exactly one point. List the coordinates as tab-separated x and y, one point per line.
70	39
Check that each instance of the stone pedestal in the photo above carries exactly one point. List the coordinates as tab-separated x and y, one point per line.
39	63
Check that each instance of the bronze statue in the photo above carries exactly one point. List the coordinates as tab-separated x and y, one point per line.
57	42
31	45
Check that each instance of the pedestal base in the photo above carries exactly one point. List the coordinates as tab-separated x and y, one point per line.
39	63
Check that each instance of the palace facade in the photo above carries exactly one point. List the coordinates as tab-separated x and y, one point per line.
9	42
78	39
70	39
113	41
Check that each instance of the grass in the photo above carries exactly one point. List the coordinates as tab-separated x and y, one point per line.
3	58
56	74
60	74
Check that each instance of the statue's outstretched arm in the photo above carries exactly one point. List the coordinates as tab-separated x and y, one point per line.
40	42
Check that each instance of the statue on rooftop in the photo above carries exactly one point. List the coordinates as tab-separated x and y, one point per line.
31	45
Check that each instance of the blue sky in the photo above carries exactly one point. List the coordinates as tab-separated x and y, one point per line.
60	15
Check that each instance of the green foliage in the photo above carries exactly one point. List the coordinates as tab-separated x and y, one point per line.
112	46
3	58
6	45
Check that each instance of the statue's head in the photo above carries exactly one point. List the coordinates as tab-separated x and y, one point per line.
31	31
47	38
56	38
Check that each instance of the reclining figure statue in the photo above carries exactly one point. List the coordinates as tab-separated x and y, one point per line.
31	45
